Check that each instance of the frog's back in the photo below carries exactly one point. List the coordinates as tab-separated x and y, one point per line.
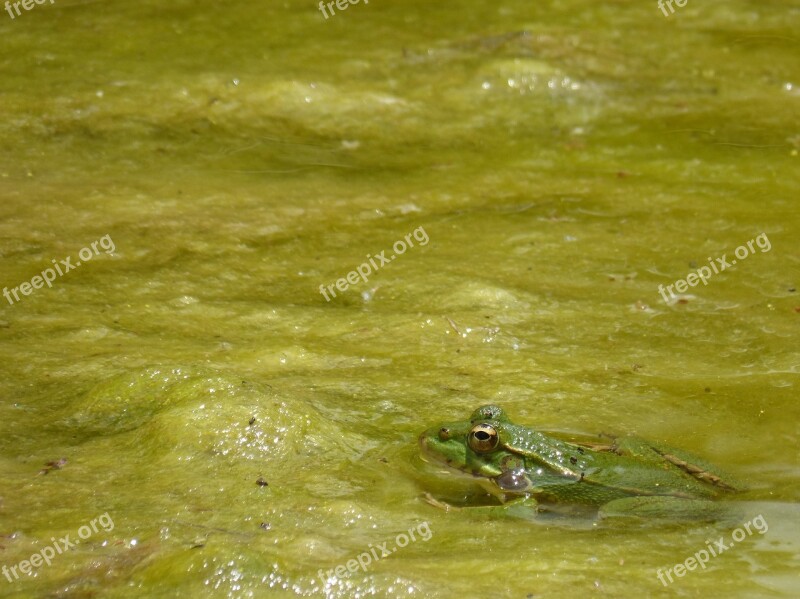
565	471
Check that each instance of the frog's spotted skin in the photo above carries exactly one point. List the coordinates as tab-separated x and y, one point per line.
518	463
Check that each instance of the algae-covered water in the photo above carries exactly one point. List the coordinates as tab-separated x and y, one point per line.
189	410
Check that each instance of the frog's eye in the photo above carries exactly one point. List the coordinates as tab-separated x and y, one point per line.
483	438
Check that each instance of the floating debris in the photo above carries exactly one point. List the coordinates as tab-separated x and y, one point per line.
55	465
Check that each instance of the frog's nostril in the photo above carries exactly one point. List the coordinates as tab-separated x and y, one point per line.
444	433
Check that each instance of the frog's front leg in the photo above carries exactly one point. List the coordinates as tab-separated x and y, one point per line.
442	505
522	505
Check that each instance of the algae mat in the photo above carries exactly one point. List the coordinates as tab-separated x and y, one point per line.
250	251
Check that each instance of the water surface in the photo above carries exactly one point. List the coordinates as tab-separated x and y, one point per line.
563	159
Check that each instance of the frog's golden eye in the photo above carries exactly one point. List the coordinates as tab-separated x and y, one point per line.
483	438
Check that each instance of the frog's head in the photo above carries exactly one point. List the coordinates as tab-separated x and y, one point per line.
475	447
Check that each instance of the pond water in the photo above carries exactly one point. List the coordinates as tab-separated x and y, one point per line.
208	407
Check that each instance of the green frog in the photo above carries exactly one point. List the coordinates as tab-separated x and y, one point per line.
627	476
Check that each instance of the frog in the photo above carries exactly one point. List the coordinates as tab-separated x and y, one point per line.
538	471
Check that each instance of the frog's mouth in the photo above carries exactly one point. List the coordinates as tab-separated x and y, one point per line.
425	451
435	455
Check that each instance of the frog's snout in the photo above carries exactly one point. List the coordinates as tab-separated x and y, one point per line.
444	434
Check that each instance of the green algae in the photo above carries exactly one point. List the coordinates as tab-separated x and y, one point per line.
564	159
